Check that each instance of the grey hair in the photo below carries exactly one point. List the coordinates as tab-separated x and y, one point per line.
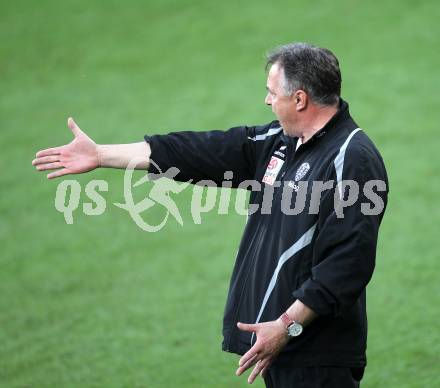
312	69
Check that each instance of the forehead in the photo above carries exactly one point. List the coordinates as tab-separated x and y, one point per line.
274	76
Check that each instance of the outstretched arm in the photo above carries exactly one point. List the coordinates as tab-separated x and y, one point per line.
83	155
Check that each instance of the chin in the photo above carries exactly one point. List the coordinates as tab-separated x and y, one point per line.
290	133
286	130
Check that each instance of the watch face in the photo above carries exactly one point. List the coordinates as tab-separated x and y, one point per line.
295	329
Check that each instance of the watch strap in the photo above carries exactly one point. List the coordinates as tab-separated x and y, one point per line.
286	320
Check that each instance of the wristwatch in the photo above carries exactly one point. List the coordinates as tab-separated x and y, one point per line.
294	329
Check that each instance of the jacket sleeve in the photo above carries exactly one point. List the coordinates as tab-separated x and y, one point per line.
207	155
345	247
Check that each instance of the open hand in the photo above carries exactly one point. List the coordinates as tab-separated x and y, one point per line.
78	156
271	338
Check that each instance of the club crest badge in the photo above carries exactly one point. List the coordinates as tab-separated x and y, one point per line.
302	171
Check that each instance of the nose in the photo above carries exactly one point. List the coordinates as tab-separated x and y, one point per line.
268	99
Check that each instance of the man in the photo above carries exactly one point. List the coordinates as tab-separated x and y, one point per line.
299	278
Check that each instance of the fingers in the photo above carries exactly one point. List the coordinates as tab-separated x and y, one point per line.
247	327
262	364
261	367
49	151
255	373
58	173
244	360
266	364
243	367
252	352
57	150
264	371
46	159
49	166
73	127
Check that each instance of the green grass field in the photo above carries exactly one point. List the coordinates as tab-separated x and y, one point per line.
100	303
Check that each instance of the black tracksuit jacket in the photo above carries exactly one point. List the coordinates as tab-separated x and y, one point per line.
315	256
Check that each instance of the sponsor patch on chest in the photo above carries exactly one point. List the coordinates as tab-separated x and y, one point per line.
272	170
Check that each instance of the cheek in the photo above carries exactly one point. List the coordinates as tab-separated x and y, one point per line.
281	108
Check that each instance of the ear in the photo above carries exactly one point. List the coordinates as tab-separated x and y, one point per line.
301	100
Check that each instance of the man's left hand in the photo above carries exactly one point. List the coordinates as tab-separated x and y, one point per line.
271	338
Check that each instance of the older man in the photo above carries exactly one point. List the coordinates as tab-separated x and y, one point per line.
296	308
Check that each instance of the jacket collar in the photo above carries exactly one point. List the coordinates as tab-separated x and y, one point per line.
341	115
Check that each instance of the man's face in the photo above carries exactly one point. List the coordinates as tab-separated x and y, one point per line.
282	106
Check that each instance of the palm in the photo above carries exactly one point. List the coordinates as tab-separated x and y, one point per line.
77	157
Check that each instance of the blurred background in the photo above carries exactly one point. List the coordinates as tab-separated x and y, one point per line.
102	303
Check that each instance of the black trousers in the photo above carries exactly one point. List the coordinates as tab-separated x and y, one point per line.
282	376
